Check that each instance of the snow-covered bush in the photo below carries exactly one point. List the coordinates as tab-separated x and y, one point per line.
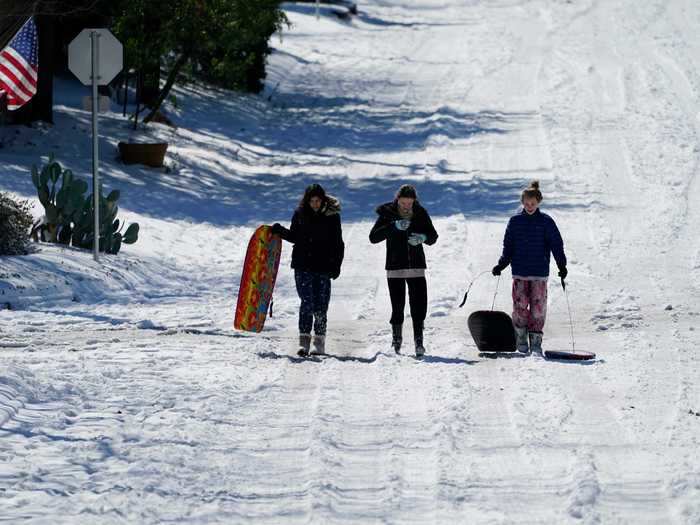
15	223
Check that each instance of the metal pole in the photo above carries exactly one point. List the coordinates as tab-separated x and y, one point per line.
318	9
94	36
126	92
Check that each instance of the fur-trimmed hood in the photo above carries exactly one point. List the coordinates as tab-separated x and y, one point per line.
391	209
332	206
400	255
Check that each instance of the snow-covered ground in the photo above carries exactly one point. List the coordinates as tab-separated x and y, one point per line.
127	397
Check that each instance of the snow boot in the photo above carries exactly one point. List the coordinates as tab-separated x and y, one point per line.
536	342
521	340
420	349
304	344
319	343
418	339
396	337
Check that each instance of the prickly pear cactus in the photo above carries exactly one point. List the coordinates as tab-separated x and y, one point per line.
69	212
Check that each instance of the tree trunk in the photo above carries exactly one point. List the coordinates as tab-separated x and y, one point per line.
174	72
8	28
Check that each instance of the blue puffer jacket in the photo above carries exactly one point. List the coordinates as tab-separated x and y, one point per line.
528	241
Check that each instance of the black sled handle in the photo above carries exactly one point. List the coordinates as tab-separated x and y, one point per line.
470	287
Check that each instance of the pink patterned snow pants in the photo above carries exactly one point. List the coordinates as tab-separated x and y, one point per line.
532	294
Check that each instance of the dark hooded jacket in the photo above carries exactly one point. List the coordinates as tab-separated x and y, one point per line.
317	237
399	254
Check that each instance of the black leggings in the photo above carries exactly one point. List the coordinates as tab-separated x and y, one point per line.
417	300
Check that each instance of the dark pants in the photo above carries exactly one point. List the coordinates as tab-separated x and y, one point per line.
314	290
417	300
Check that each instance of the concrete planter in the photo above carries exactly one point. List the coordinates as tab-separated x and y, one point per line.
149	154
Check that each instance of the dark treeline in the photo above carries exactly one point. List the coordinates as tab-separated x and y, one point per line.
224	42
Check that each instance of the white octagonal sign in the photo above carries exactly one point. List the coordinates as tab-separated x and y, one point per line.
109	56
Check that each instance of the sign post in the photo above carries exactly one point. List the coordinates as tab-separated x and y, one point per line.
95	57
95	49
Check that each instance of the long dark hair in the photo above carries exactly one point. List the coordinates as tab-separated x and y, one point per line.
312	190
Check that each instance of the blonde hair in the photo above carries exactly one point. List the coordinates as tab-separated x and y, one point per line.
532	191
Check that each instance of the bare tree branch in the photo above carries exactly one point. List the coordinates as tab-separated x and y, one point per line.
14	9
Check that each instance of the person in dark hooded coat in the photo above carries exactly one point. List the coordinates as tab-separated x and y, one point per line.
405	226
317	256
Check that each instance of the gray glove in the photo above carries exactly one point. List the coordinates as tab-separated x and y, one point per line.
402	225
416	238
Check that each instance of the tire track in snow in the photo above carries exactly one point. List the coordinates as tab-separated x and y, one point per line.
643	366
371	441
600	479
372	436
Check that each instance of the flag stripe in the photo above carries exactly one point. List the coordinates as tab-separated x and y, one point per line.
19	66
18	82
13	103
20	63
10	88
13	84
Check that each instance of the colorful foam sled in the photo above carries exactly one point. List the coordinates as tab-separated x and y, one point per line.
262	260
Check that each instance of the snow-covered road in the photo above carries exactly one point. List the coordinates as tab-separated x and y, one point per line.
127	397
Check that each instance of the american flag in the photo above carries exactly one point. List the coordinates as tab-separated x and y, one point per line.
19	66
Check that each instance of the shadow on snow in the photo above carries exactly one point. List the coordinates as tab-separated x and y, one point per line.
431	359
241	143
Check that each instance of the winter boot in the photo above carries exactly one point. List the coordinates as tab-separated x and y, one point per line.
521	340
319	343
418	339
304	344
536	342
396	337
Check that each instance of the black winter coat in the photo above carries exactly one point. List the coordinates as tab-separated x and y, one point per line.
399	254
318	240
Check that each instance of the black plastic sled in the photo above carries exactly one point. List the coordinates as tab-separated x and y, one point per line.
492	331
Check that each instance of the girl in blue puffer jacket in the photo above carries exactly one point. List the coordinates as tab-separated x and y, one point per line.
530	238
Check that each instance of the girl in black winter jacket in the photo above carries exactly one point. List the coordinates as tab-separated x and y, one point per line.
405	226
316	258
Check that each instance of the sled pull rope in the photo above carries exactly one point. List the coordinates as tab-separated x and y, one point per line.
571	321
272	302
495	293
470	287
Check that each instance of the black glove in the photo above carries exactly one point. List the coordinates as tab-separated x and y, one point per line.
563	272
277	229
497	269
